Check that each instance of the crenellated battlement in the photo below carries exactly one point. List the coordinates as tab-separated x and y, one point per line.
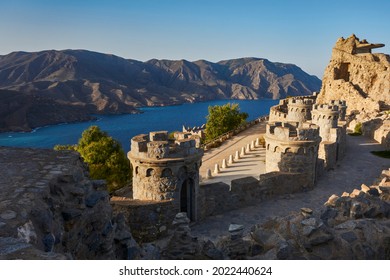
342	104
299	108
300	102
326	108
289	131
157	146
339	103
167	169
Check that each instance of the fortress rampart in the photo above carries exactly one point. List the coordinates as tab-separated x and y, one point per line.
294	116
166	171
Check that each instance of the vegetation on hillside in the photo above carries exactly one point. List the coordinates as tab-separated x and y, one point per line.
222	119
104	155
357	131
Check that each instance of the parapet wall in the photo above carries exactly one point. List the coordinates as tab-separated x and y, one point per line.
278	112
148	220
217	198
292	131
342	105
156	145
295	109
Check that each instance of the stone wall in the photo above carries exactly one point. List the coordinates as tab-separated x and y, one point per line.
217	198
148	220
327	151
52	210
378	129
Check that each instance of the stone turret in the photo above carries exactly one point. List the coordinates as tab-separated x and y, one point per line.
326	117
166	169
299	109
342	108
292	147
278	113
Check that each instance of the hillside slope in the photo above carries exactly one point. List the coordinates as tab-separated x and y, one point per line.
107	84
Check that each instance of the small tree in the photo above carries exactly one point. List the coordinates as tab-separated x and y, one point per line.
105	157
222	119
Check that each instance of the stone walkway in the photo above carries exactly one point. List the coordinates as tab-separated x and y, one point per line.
252	164
358	167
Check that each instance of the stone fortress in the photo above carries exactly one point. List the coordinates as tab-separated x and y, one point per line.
52	210
303	139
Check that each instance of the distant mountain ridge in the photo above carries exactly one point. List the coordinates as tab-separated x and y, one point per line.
84	82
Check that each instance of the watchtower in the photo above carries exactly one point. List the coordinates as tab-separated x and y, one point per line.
292	147
167	169
326	117
342	105
299	109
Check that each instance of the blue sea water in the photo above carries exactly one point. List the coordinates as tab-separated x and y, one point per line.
124	127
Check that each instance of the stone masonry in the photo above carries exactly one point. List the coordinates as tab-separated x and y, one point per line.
167	169
305	137
290	148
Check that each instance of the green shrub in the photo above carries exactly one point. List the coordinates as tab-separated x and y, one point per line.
105	157
222	119
358	129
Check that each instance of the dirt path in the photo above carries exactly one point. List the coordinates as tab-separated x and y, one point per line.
358	167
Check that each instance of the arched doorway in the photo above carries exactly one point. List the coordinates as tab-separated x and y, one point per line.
187	198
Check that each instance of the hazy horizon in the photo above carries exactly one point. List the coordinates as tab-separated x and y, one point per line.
300	32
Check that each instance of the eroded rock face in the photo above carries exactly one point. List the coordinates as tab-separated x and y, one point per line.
50	209
353	226
184	246
356	75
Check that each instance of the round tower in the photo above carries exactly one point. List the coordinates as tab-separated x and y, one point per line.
326	117
292	148
278	113
165	169
342	108
299	109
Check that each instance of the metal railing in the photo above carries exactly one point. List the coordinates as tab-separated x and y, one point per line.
217	141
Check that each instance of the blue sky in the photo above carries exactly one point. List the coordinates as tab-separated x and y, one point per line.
297	31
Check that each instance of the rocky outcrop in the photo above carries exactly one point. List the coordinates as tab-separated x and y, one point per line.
88	82
52	210
362	79
350	226
357	75
183	246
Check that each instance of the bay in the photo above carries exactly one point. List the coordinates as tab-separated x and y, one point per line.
124	127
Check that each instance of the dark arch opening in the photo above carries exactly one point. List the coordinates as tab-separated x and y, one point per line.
187	198
149	172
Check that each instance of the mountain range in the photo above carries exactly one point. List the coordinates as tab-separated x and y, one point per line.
48	87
